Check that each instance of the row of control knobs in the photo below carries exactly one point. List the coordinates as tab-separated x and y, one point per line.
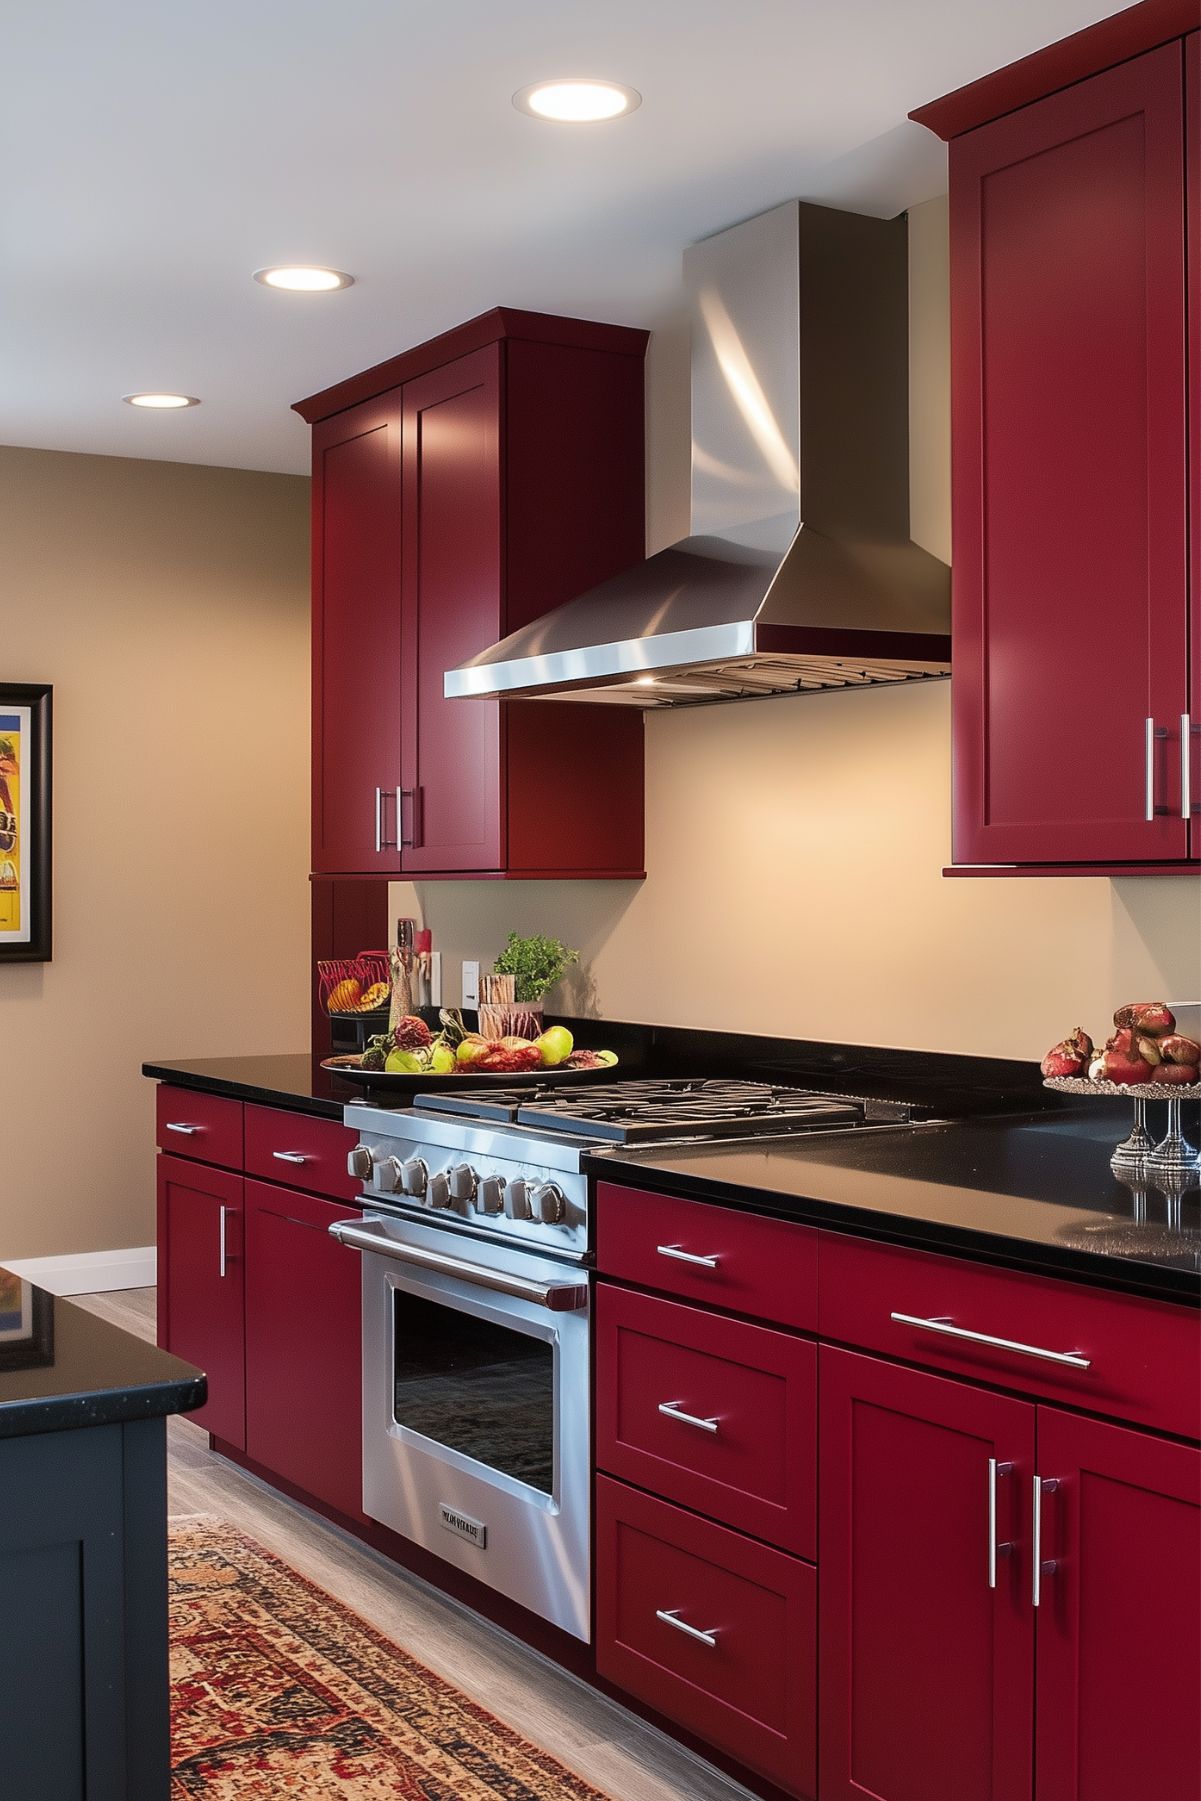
517	1199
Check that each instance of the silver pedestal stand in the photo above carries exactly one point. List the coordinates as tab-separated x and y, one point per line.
1173	1156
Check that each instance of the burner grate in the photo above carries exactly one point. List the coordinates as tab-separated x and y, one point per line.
650	1108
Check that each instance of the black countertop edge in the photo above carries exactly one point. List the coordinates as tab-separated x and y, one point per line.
292	1081
70	1369
971	1243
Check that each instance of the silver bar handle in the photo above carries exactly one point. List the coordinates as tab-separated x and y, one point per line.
995	1470
947	1329
682	1256
559	1297
671	1617
1149	770
289	1157
176	1125
1186	766
222	1249
1041	1485
675	1411
379	821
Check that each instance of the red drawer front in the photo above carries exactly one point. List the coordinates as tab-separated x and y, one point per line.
749	1264
746	1454
205	1126
1144	1356
300	1151
753	1692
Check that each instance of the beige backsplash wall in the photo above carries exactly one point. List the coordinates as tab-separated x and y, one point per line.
168	604
795	847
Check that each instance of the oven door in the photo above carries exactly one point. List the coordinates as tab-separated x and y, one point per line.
476	1430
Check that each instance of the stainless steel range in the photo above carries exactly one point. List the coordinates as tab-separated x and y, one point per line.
476	1354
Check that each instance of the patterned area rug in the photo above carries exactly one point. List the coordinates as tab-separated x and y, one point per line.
278	1690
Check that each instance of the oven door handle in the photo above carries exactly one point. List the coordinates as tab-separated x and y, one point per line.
559	1297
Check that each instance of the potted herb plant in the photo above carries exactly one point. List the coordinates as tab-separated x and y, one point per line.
533	966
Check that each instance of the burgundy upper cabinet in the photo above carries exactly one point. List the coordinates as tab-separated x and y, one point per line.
1070	480
459	491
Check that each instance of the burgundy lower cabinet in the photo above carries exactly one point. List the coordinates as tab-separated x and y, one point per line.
303	1368
716	1413
200	1284
710	1628
1119	1633
927	1668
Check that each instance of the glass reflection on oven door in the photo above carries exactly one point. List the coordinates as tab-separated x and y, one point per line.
479	1384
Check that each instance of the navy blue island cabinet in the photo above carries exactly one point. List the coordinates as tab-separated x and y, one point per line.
83	1552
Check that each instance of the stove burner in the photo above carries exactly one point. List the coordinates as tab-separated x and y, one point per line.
638	1112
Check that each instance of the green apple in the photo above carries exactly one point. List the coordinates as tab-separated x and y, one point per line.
608	1058
555	1046
471	1048
442	1060
404	1063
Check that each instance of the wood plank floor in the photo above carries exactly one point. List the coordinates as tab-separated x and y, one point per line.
624	1758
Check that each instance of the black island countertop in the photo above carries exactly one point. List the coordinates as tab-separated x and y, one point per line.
61	1368
1033	1193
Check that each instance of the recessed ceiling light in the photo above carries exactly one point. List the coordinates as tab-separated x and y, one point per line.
577	102
300	278
163	403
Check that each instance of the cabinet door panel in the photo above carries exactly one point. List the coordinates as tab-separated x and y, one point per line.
303	1346
927	1673
356	638
1119	1625
1068	343
452	814
1192	78
201	1285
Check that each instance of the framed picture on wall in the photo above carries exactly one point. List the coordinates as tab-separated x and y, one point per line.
26	1324
25	851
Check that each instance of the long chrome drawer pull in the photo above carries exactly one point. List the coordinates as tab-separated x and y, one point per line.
1149	771
1186	766
683	1256
174	1125
559	1297
674	1411
672	1618
1042	1485
289	1157
995	1470
949	1330
222	1248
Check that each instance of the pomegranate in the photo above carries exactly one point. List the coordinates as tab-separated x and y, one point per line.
1069	1056
1154	1017
1175	1072
1149	1051
411	1033
1124	1067
1176	1048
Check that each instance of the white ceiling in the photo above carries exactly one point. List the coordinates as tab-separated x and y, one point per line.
156	152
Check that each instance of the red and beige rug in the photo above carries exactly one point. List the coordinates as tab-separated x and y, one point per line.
278	1690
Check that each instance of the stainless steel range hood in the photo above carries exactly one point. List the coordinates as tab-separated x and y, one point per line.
799	573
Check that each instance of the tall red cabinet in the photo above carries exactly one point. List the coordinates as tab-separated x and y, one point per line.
459	491
1073	399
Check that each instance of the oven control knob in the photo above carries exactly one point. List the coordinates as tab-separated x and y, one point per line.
438	1192
546	1201
462	1182
388	1175
517	1199
414	1175
490	1195
360	1162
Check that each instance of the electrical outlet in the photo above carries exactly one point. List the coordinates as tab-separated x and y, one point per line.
435	978
471	984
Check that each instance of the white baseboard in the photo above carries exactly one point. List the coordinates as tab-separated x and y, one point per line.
90	1272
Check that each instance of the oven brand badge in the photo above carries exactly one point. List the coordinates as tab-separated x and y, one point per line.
474	1531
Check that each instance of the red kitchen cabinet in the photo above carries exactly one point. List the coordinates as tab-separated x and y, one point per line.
460	491
303	1338
200	1249
357	638
926	1671
1070	509
1192	104
1119	1633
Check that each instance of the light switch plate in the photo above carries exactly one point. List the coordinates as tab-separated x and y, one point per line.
471	984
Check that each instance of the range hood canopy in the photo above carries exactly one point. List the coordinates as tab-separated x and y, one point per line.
799	572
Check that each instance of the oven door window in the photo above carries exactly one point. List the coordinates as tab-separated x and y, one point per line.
477	1386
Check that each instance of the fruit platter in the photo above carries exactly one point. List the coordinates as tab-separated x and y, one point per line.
410	1056
1144	1059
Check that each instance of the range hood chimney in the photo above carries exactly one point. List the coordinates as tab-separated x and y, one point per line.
799	573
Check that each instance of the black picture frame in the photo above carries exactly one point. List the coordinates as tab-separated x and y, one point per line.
35	820
34	1348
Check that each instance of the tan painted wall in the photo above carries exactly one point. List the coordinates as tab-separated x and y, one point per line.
168	604
794	847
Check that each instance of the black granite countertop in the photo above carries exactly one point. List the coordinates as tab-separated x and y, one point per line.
61	1367
1034	1193
294	1081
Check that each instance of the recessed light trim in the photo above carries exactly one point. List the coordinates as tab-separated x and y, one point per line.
161	403
577	100
303	278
